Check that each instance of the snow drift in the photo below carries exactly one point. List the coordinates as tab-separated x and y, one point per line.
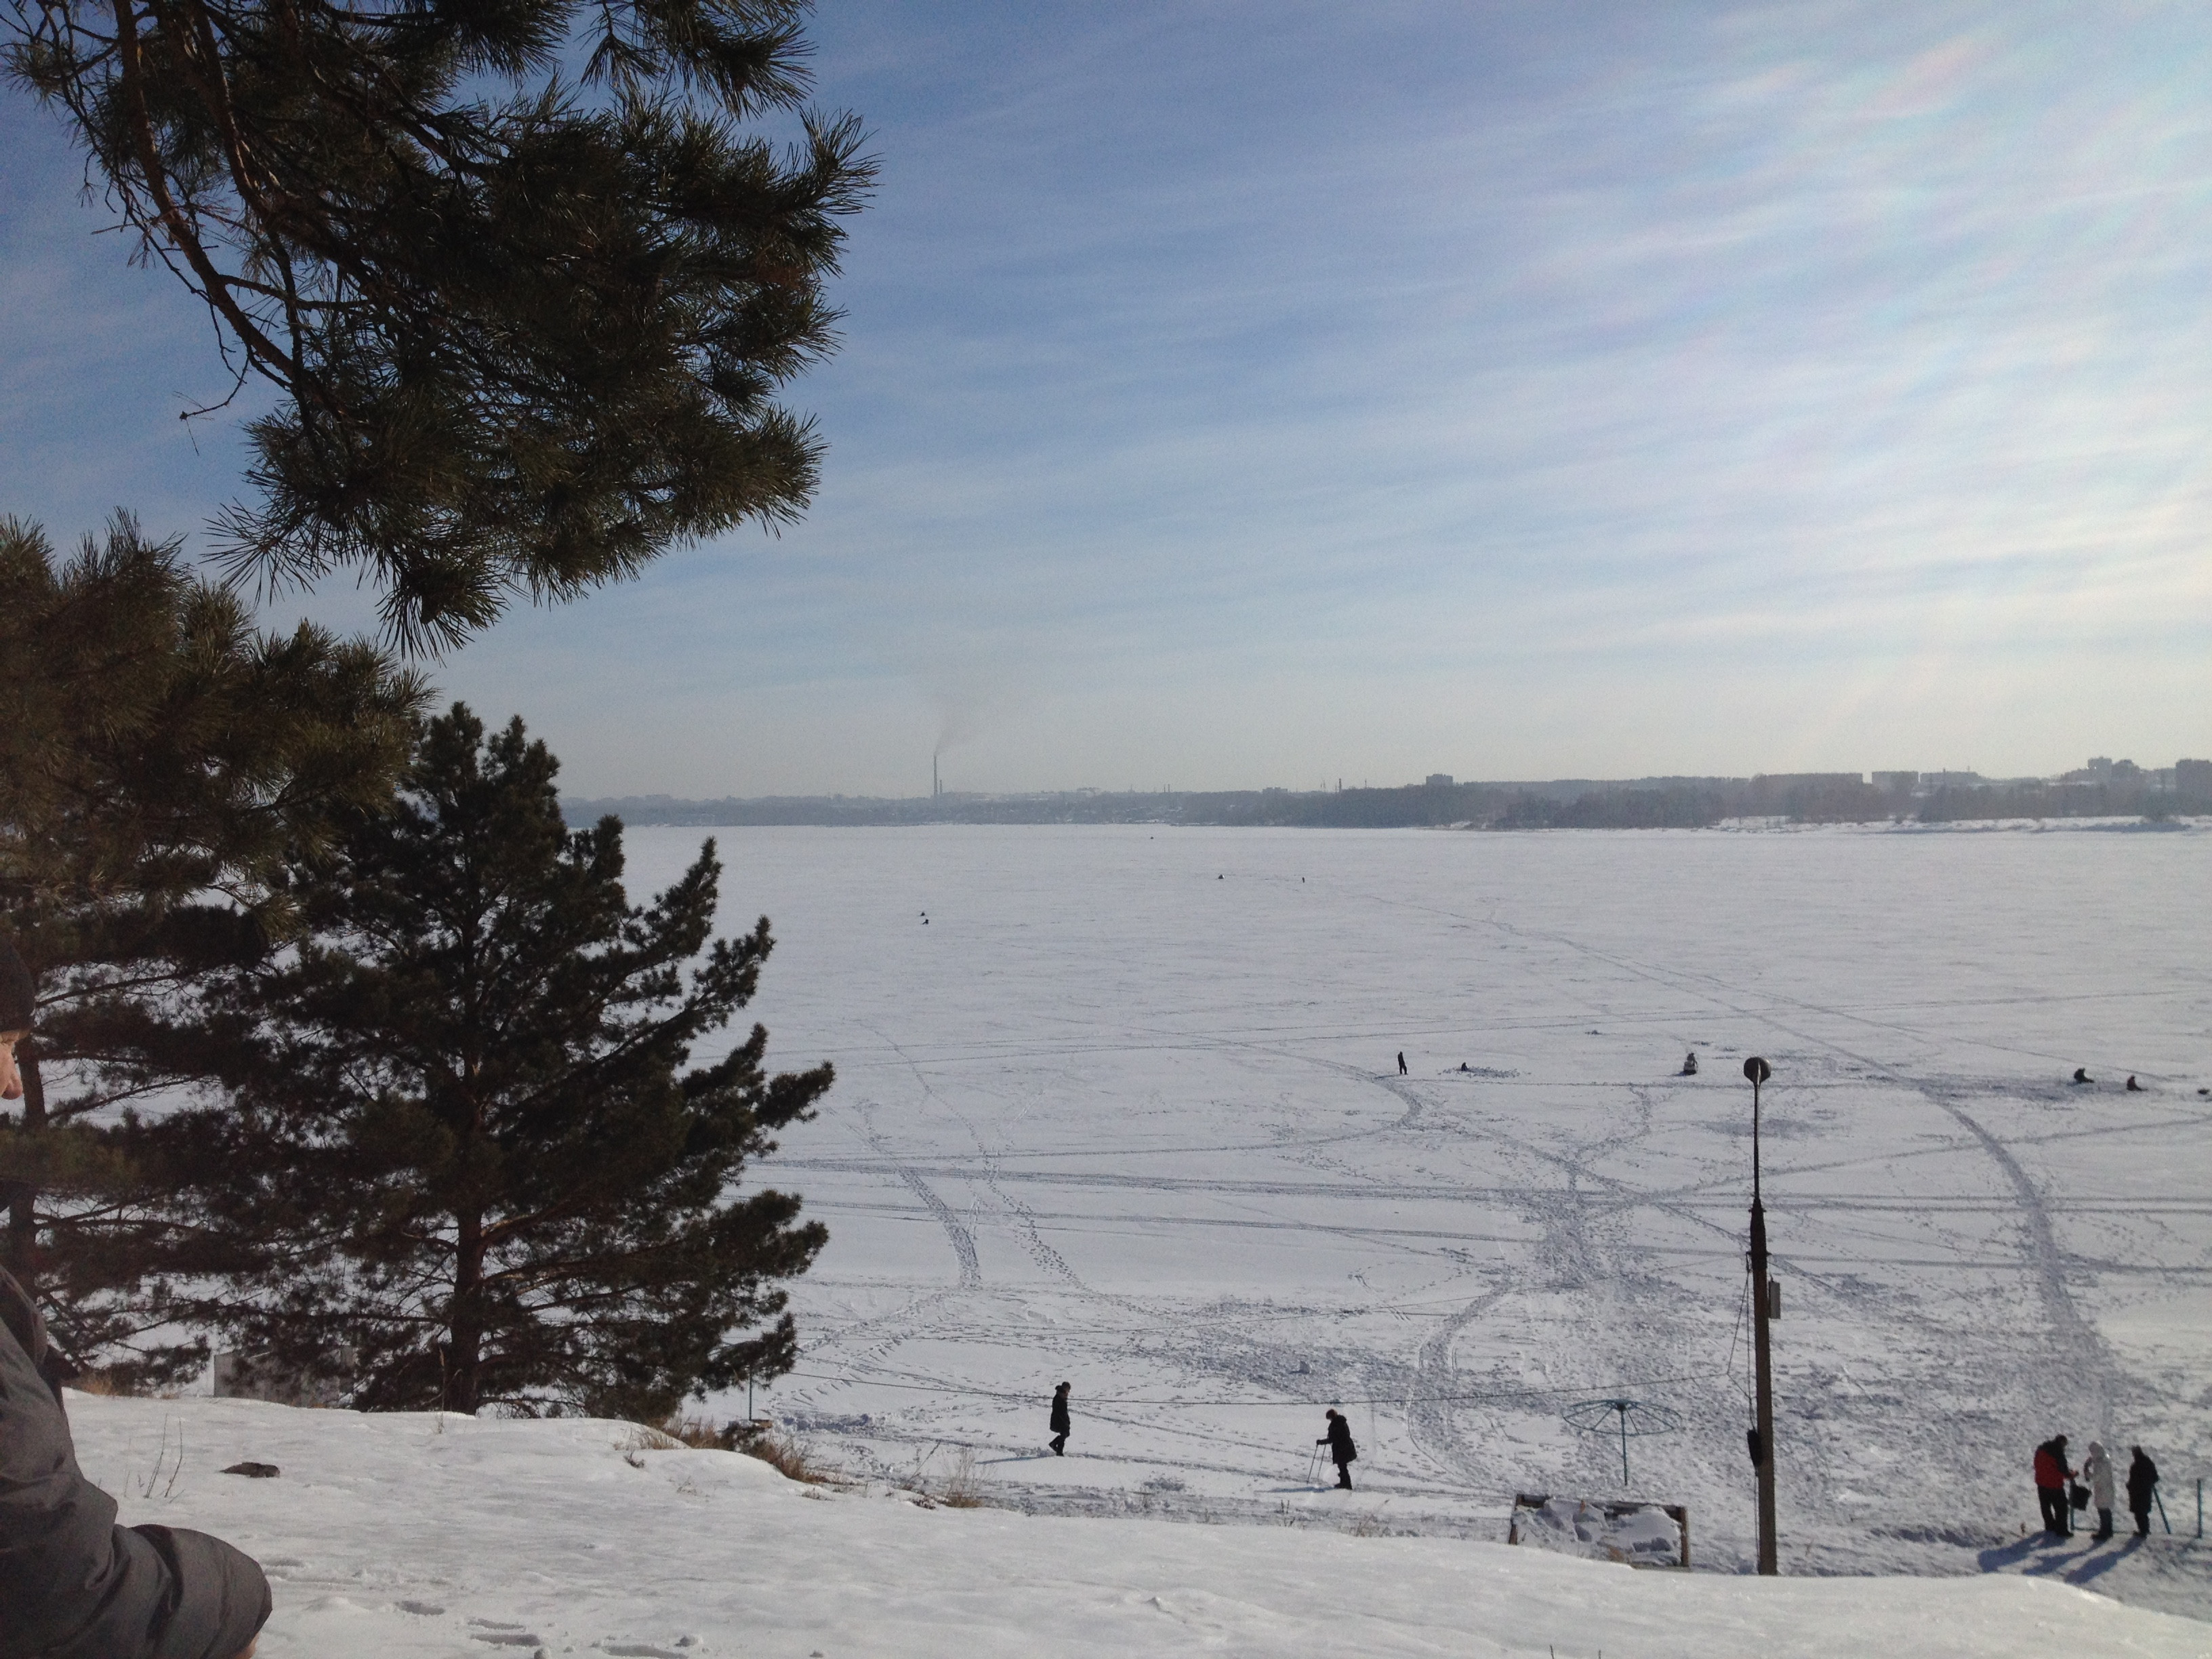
391	1537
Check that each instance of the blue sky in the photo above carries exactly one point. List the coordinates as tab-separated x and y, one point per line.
1239	394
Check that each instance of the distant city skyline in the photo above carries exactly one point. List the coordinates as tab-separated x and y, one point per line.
1238	395
2185	772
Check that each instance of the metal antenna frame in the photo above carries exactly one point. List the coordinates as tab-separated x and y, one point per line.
1589	1415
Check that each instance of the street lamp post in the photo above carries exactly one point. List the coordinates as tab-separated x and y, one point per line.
1762	1436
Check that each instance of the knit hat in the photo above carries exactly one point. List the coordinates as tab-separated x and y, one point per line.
19	996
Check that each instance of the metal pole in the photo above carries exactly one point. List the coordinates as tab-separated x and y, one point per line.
1622	1411
1769	1550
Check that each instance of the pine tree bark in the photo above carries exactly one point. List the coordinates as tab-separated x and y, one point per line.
23	1206
464	1372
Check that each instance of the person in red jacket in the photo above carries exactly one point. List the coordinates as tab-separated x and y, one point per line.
2052	1475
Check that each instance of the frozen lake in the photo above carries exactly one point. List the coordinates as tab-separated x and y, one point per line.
1125	1110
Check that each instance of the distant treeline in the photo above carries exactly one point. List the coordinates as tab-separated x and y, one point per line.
1560	804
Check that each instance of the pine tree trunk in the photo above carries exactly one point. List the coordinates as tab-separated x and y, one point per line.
466	1351
23	1206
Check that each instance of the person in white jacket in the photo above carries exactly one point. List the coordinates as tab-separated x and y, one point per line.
2097	1470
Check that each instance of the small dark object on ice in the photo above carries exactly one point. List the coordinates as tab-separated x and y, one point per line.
2134	1087
1689	1064
2082	1074
255	1471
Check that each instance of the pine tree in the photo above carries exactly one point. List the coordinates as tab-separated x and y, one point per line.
161	763
463	1136
526	334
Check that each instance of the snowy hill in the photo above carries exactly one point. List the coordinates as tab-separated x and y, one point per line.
403	1536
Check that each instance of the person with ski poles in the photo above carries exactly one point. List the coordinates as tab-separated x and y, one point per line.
1341	1451
2143	1483
1060	1425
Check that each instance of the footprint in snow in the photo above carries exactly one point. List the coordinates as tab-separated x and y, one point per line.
502	1635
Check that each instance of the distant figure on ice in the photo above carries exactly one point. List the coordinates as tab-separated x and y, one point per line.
2134	1087
2097	1470
1341	1451
2052	1475
1690	1064
1061	1426
2142	1481
1401	1062
1464	1066
2082	1074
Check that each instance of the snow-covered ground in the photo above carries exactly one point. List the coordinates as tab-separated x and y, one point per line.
414	1537
1125	1111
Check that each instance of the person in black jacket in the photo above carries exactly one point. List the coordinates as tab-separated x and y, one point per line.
1341	1451
2142	1481
1060	1425
73	1584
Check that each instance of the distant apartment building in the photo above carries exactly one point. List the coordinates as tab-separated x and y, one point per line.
2193	778
1896	783
1440	780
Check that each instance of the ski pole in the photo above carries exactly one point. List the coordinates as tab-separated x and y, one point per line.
2160	1496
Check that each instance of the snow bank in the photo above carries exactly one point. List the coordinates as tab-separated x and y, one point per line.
423	1535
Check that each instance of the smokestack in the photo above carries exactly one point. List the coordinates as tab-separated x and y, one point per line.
933	790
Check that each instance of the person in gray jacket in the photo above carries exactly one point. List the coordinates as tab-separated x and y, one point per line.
73	1584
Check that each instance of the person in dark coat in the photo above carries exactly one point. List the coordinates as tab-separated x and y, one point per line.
1341	1451
1061	1426
1401	1062
2052	1475
73	1584
2142	1481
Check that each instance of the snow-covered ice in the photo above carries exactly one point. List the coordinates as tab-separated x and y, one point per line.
1125	1109
414	1537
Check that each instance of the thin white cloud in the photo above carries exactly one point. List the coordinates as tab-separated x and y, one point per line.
1655	388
